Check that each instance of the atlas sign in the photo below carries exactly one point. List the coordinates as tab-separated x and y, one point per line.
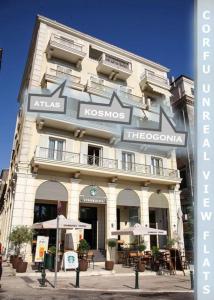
53	103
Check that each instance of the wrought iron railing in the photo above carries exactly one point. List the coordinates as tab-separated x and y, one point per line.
92	161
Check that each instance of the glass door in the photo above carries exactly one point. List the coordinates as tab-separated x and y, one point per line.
55	150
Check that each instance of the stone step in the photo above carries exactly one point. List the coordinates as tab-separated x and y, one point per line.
99	255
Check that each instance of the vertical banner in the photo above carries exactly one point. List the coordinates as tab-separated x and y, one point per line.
205	152
41	248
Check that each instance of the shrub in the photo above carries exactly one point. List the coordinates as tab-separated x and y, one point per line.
141	247
83	246
112	243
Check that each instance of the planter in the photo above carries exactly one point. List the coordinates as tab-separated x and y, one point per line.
141	266
11	258
21	267
83	265
109	265
155	266
16	260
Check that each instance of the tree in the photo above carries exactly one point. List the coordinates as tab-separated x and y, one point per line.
20	235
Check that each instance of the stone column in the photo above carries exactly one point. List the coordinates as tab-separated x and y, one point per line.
23	207
73	208
111	216
144	212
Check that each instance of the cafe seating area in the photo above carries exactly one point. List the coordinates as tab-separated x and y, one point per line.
159	260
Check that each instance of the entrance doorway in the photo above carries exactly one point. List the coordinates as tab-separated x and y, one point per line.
89	215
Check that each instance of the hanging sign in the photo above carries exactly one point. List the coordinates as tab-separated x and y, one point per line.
41	248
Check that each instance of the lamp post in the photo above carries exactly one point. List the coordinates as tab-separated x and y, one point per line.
191	266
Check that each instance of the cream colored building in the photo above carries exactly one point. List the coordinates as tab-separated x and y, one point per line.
98	179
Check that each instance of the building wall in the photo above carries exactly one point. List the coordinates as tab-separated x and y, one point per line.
28	174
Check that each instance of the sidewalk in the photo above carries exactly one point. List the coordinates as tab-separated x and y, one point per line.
98	270
121	280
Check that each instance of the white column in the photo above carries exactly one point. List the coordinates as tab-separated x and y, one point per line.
111	214
73	208
144	213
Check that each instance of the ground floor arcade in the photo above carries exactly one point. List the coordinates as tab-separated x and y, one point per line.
106	206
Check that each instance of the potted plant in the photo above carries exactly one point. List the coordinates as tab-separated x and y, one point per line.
19	236
170	243
109	264
83	249
141	263
155	262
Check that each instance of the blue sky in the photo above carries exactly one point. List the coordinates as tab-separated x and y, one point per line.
160	30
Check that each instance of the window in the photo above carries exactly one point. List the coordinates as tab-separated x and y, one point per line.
94	155
157	166
55	150
192	91
128	161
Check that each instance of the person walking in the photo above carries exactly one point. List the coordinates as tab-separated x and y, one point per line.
0	263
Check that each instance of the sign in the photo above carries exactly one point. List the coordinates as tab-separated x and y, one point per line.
70	260
114	112
95	200
165	135
41	248
53	103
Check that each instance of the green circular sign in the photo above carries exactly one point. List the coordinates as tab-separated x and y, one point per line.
93	191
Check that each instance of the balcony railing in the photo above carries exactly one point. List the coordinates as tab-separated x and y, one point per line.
67	44
96	162
106	91
150	76
58	74
116	62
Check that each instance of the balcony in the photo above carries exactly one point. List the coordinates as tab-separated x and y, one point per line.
58	76
97	87
151	78
114	67
66	49
46	158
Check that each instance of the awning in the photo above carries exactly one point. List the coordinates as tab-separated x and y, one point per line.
128	197
52	190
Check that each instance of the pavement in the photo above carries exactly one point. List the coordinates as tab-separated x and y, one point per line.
117	284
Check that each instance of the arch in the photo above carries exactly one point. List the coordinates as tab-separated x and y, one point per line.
52	190
93	194
158	200
128	197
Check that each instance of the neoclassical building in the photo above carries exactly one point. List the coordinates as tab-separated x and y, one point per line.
84	164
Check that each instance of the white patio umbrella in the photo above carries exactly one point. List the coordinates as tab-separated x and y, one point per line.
60	223
63	224
180	231
138	229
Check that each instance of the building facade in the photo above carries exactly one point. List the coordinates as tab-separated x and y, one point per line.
182	100
84	164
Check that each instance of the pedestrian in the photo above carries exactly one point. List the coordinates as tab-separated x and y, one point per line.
0	263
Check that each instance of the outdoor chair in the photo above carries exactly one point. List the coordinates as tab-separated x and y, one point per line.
90	257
